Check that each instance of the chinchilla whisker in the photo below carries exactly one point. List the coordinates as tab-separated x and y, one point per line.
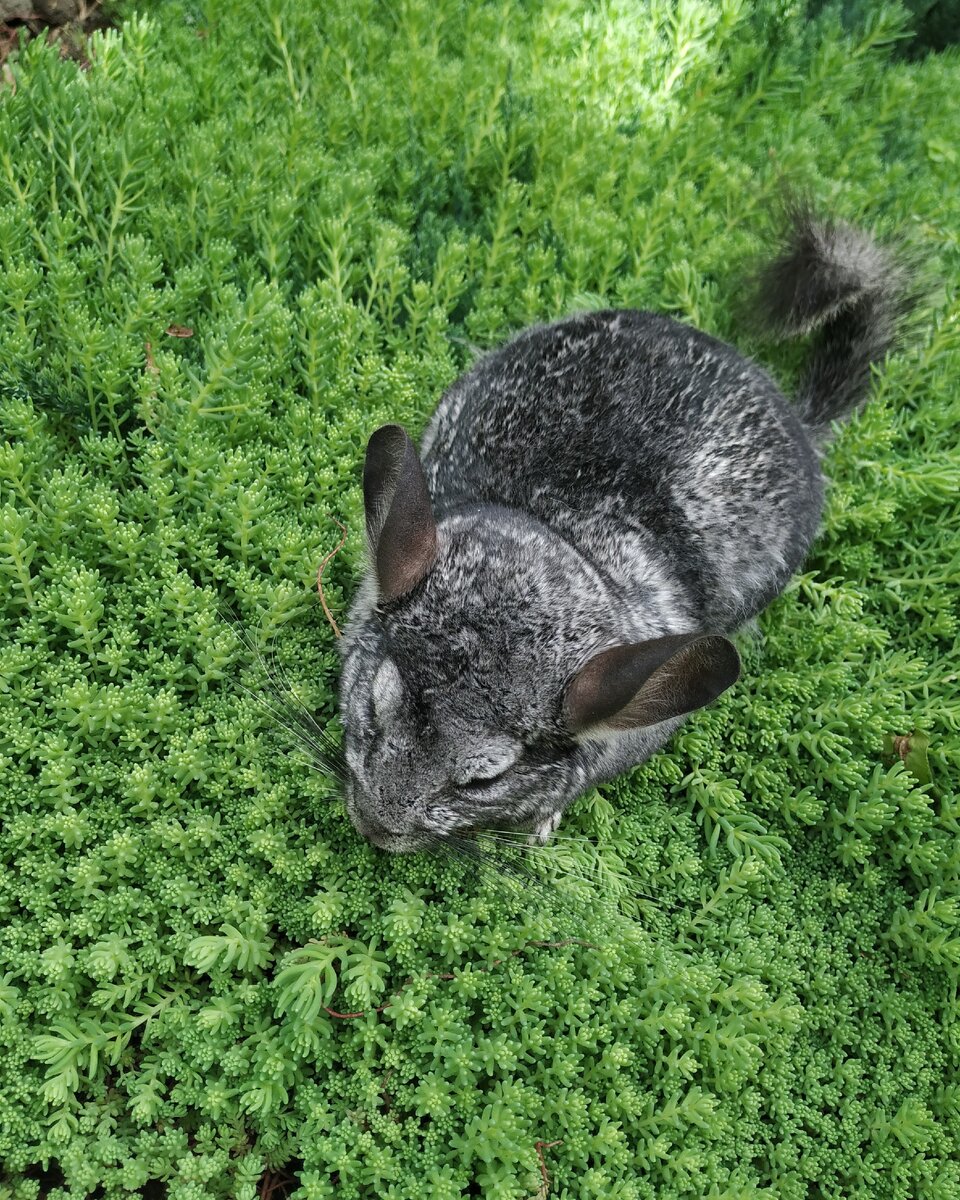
522	847
495	866
550	856
278	672
286	708
628	890
276	708
487	865
302	714
557	836
278	717
336	789
492	829
453	847
332	765
520	837
476	865
327	751
331	748
311	733
322	753
469	849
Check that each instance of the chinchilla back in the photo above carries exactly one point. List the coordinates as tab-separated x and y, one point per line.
669	461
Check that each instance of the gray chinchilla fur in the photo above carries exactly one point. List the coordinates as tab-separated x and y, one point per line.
595	504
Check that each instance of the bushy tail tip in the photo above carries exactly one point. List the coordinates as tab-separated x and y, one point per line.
836	281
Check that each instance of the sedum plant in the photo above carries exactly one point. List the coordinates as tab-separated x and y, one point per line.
243	238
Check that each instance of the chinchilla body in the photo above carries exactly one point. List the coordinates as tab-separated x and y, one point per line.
599	501
665	458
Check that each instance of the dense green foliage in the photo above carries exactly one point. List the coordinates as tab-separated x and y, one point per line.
343	202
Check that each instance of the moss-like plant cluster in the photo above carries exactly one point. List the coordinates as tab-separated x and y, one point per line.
245	236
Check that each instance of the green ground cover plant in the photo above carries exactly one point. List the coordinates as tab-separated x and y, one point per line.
245	236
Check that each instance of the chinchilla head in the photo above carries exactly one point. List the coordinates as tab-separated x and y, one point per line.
488	670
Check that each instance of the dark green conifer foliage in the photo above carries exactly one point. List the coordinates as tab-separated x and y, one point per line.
343	201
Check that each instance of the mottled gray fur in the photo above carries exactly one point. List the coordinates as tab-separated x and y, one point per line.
596	483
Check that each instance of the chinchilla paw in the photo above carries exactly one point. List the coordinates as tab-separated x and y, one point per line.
541	834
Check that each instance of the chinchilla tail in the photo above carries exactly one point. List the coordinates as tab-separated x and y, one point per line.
836	282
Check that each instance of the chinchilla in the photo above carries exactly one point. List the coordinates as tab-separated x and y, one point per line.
594	506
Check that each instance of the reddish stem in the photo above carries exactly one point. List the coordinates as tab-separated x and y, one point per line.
323	600
273	1180
540	1147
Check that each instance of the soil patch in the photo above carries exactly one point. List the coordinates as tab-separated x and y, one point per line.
66	23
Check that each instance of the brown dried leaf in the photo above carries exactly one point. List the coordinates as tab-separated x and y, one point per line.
911	749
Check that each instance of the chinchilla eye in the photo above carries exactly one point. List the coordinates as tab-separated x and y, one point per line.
487	765
479	781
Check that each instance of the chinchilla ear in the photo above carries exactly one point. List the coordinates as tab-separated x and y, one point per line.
629	687
401	528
